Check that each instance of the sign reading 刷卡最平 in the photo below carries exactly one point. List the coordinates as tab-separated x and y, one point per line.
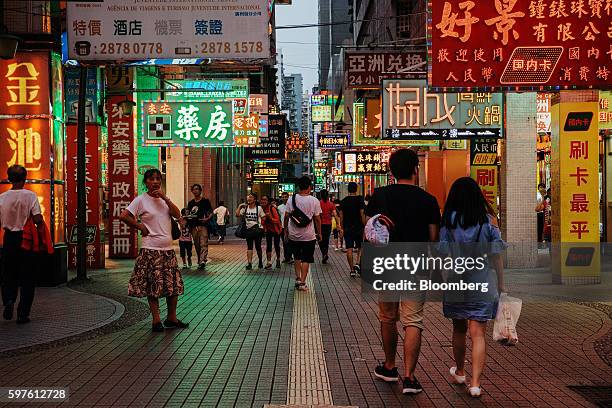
411	112
137	30
187	123
519	44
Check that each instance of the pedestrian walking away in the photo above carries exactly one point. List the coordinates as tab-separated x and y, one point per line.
156	273
468	218
200	214
282	208
222	214
328	214
336	227
352	222
253	214
416	218
272	230
186	240
303	229
18	206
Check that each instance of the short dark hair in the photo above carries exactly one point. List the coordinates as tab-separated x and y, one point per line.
304	182
284	192
403	164
17	174
324	195
221	203
352	187
150	173
196	185
541	185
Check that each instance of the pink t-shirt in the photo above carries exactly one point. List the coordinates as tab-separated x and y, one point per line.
327	209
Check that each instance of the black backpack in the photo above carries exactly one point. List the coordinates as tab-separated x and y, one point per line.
297	216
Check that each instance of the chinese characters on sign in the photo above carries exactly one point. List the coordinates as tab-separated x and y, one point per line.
368	69
258	103
411	112
95	253
24	83
187	123
321	113
26	142
264	172
605	109
71	86
137	30
518	44
273	146
246	130
543	103
121	178
333	140
295	143
484	169
365	162
206	89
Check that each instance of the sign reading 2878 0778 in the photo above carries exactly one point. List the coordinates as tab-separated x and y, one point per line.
138	30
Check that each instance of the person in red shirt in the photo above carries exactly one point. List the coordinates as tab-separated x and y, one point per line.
328	211
272	230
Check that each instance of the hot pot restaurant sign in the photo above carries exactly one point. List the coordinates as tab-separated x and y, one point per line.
520	44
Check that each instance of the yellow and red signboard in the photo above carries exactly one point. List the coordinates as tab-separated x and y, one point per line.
605	110
26	142
24	84
487	179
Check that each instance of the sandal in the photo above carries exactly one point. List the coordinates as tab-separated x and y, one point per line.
474	392
298	282
303	287
457	379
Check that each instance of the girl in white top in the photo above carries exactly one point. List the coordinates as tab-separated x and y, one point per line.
156	273
253	214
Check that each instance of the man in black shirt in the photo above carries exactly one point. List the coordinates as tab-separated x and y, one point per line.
416	216
200	213
352	221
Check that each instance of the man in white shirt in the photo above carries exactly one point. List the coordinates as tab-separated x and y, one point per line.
282	209
302	239
222	215
16	207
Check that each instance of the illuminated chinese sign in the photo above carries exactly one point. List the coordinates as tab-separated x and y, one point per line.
207	89
543	101
95	253
265	172
605	110
71	87
26	142
365	162
520	44
487	179
321	113
240	106
296	143
373	118
411	112
246	130
366	70
24	84
187	123
121	178
272	146
258	103
333	140
483	152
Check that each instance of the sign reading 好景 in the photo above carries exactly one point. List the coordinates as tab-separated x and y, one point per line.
519	44
187	123
138	30
411	112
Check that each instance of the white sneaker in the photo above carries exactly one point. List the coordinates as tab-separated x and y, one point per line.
457	379
474	392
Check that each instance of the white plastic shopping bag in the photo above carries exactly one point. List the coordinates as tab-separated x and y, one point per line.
508	312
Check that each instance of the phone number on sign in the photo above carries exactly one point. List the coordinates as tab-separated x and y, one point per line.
119	48
27	394
220	47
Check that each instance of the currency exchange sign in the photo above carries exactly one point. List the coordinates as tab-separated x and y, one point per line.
411	112
367	69
520	44
187	123
139	30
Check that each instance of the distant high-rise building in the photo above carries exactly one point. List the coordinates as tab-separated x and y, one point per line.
331	36
292	94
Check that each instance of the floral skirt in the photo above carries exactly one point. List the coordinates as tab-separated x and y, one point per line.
156	273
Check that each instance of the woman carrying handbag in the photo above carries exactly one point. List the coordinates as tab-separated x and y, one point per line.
253	220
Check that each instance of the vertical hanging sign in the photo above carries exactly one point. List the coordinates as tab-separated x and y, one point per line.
121	178
95	253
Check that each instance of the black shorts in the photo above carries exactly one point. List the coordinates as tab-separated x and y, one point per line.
303	250
353	240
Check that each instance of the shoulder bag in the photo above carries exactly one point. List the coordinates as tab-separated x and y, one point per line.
297	216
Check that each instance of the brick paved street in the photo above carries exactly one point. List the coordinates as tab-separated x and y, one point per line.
238	349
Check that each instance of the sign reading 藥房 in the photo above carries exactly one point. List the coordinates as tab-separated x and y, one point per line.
137	30
187	123
333	140
409	111
520	44
207	89
605	109
365	162
366	70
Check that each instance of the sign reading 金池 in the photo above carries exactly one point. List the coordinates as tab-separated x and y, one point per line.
519	44
272	146
26	142
365	162
368	69
246	130
333	140
137	30
206	89
24	84
123	242
605	110
411	112
187	123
